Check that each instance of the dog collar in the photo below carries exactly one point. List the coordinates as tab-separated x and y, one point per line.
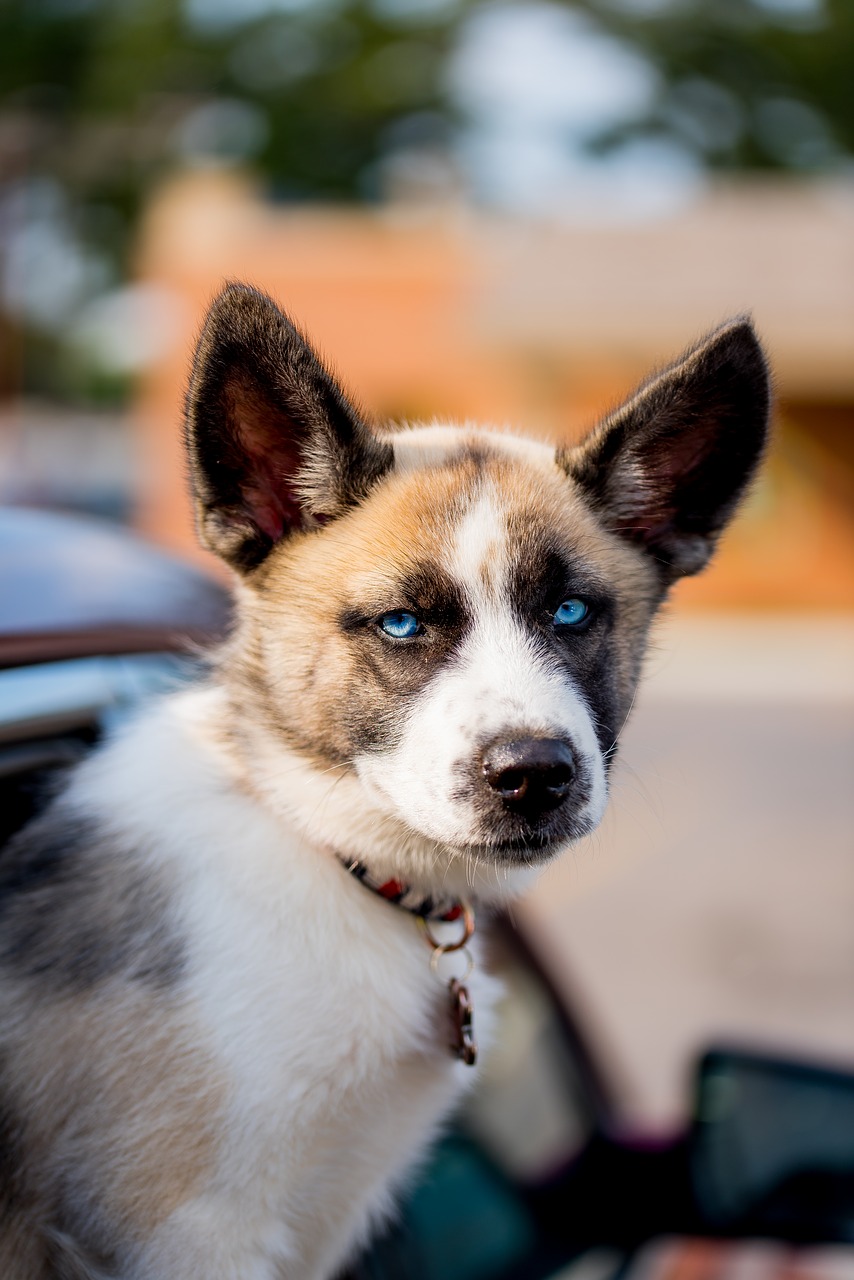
427	910
405	897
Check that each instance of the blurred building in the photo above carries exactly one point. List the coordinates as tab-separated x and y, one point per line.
435	311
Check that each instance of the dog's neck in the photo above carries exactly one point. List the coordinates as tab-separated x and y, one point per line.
332	810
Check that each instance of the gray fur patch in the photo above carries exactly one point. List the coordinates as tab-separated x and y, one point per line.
77	908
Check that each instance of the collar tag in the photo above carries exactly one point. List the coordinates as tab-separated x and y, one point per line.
463	1043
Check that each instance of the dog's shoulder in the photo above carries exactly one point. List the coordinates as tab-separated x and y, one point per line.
78	904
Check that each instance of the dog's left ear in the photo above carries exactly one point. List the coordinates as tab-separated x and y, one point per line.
274	444
667	469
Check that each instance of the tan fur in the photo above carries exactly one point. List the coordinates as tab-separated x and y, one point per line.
361	559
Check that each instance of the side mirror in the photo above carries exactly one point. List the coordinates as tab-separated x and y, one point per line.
771	1151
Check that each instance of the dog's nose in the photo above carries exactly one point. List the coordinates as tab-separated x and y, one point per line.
531	775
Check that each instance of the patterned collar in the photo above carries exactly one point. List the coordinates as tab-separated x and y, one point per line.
404	896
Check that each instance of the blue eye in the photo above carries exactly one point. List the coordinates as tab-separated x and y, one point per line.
400	625
570	613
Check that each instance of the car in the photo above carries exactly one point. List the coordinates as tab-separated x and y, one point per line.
536	1178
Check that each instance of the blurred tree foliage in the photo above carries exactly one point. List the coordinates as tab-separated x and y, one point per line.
749	84
106	95
101	98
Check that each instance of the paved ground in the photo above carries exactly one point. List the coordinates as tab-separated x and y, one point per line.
717	902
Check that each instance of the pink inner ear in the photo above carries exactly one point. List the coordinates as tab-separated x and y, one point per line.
273	513
268	442
675	459
669	463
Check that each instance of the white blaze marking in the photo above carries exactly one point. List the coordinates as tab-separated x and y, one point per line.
480	543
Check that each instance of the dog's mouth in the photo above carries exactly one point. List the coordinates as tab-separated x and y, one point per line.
531	847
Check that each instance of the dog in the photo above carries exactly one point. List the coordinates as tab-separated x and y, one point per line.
224	1040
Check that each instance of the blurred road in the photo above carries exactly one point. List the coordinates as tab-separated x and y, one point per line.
717	901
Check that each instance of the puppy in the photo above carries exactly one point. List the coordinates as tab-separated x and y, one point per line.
223	1039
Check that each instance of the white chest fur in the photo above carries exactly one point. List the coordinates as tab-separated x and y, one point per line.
314	999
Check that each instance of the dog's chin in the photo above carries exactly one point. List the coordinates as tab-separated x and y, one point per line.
521	851
526	846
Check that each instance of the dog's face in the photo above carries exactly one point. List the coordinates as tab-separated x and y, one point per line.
465	639
451	619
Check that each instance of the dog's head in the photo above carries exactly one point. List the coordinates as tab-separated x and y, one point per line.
441	628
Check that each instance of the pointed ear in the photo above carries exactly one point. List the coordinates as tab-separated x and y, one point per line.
668	468
274	445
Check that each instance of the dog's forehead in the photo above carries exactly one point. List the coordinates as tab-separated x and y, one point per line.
478	509
417	448
474	504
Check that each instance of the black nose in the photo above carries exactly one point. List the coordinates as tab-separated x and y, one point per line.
531	775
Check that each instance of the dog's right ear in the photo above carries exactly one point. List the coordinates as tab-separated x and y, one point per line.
274	445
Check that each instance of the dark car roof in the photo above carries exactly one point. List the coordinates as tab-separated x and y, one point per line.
71	586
